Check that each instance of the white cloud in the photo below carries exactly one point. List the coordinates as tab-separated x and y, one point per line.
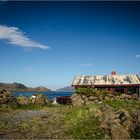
86	64
16	37
138	56
28	68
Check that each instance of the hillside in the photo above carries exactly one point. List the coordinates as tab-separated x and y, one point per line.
20	87
66	89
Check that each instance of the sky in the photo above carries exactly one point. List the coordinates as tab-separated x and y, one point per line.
49	43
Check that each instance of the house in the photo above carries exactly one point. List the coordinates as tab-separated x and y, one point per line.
129	84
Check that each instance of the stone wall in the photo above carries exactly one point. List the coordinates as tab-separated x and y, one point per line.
81	99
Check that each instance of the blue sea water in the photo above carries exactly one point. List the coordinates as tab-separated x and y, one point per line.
50	95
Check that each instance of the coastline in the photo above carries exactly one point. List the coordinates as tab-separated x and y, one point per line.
50	95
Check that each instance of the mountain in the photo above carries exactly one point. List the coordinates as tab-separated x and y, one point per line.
66	89
13	86
41	89
20	87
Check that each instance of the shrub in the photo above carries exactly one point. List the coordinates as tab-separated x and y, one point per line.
86	91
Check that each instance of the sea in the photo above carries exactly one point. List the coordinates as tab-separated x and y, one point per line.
50	95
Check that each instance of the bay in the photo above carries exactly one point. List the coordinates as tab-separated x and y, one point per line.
50	95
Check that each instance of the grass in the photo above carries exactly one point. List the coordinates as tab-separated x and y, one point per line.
63	121
32	128
59	122
129	105
9	108
32	107
81	123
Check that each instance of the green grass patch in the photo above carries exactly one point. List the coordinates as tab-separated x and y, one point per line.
81	123
129	105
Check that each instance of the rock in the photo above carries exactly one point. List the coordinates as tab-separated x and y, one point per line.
77	100
117	97
107	137
139	119
96	101
23	100
106	98
99	115
135	115
85	99
92	98
123	96
101	97
106	115
118	124
41	100
91	102
32	100
119	132
129	97
122	113
135	96
125	118
13	101
110	95
5	96
135	130
87	103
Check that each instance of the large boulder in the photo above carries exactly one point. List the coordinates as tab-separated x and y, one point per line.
4	96
40	100
13	101
77	100
125	119
118	131
7	98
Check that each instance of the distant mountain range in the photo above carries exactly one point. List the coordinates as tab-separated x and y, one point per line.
66	89
20	87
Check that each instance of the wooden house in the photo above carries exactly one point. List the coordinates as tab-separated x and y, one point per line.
129	84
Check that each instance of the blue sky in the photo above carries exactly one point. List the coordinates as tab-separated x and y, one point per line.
49	43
